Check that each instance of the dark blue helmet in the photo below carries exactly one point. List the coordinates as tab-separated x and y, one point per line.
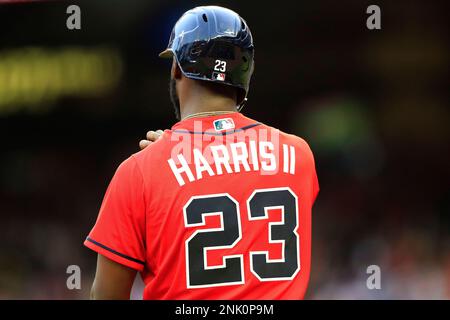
214	44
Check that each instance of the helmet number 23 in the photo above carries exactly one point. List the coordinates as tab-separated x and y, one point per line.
220	66
231	271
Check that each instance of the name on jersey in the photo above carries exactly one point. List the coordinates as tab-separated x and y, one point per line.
232	158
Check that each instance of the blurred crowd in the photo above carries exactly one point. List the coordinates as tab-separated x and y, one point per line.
413	257
373	105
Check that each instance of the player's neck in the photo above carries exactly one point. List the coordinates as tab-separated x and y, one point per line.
205	105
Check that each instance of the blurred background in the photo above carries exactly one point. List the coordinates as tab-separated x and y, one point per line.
372	104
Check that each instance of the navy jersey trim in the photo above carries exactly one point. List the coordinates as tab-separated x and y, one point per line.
114	251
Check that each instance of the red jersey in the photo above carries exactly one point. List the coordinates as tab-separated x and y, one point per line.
218	208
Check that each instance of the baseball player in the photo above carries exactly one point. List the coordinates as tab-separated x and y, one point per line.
219	206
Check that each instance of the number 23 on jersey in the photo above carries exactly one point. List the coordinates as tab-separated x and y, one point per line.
228	235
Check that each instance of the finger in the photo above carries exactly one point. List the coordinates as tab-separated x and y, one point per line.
144	143
152	136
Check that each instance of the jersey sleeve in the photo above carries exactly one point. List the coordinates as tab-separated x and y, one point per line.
310	166
119	232
315	186
315	180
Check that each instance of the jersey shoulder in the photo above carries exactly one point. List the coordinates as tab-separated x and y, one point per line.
291	139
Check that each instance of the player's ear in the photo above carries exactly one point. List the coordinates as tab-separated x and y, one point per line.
176	71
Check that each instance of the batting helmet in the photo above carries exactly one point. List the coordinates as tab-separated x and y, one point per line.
213	44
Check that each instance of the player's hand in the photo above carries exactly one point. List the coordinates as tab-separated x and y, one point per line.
151	136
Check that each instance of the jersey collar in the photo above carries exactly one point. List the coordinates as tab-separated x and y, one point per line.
216	124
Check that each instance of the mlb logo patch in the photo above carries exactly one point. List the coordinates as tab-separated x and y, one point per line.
219	76
223	124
